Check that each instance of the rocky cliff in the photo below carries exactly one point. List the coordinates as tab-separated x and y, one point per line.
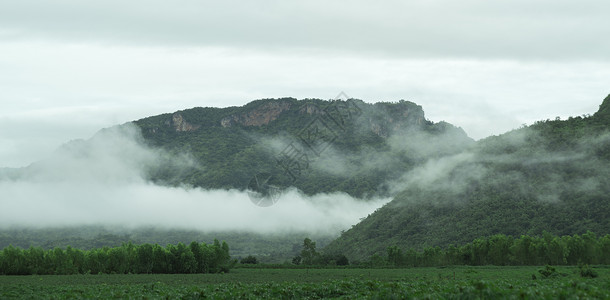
179	124
258	116
382	118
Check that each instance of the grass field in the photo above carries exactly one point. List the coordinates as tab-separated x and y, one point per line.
419	283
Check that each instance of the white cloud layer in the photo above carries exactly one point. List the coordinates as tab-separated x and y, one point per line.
142	205
100	183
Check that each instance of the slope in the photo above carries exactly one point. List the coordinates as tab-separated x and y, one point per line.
174	169
552	176
315	145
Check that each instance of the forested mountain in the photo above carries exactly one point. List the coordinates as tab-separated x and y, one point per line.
314	145
552	176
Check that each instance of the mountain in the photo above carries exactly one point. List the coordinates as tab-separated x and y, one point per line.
552	176
314	145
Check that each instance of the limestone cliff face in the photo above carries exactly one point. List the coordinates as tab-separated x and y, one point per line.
180	124
261	115
310	109
382	118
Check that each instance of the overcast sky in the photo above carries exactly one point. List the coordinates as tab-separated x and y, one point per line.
69	68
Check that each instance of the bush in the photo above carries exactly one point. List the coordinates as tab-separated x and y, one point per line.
587	272
249	260
548	271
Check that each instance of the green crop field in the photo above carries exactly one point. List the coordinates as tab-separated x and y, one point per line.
419	283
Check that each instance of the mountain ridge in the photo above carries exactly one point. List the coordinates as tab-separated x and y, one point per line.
242	133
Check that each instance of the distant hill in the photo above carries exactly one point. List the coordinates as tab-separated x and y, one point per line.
552	176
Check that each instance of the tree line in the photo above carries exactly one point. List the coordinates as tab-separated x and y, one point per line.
128	258
502	250
499	250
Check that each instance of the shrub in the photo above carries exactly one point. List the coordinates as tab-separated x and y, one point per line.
587	272
249	260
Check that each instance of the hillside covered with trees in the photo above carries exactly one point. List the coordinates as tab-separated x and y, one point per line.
317	146
314	145
552	176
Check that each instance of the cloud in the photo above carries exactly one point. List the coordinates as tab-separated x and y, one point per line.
101	182
141	205
448	173
521	164
543	30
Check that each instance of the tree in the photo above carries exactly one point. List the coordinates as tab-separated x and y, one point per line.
309	254
60	262
117	260
12	261
145	261
160	264
395	257
35	260
77	259
480	249
557	252
589	248
604	245
522	249
499	249
197	251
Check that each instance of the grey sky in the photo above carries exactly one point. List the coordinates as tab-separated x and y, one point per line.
68	68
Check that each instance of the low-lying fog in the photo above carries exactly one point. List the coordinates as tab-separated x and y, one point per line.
100	182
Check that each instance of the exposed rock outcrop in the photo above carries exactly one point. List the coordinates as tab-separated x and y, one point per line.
310	109
261	115
180	124
381	118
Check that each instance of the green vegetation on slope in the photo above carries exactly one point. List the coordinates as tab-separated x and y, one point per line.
553	176
350	149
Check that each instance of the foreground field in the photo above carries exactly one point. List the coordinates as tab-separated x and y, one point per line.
448	283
